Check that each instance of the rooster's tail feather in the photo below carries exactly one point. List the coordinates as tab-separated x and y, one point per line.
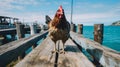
48	19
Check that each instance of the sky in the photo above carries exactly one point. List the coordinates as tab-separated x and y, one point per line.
87	12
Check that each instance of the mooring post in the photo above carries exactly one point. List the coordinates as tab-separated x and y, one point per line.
72	27
20	30
20	34
98	33
80	28
33	29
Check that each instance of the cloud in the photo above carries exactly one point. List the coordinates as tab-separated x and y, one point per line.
93	18
6	5
83	12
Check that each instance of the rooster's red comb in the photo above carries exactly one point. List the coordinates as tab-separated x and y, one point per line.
60	11
60	7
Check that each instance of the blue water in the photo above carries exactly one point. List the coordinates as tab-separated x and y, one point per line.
111	36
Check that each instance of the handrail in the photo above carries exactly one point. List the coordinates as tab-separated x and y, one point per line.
12	50
105	56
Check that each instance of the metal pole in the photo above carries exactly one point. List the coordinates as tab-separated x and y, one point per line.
71	11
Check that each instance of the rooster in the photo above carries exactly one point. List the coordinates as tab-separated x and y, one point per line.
59	28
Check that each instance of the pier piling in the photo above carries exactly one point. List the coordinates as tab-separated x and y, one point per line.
33	29
80	28
98	33
20	31
72	27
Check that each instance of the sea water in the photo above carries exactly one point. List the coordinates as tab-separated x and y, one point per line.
111	36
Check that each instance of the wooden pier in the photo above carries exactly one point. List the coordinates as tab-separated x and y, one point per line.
41	55
11	51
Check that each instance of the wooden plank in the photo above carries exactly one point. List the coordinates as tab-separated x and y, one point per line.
11	51
8	31
41	56
105	56
73	57
13	31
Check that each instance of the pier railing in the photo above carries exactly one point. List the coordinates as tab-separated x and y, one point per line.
105	56
6	26
15	49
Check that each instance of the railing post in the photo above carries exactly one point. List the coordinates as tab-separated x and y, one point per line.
20	30
33	29
72	26
80	28
20	34
98	33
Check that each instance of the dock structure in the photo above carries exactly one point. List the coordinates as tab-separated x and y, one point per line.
20	31
11	51
41	55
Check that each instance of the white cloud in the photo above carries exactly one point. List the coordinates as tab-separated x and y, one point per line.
93	18
6	5
26	2
87	18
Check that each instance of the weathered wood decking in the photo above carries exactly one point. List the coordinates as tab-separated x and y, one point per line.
41	56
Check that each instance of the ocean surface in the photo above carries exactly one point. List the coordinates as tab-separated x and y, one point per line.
111	36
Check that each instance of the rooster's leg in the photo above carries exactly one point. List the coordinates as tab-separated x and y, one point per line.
63	50
54	50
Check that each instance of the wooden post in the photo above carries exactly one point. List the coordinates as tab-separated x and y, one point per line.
20	30
20	33
33	29
80	28
72	26
98	33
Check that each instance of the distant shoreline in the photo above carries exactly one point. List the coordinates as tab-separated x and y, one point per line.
117	23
